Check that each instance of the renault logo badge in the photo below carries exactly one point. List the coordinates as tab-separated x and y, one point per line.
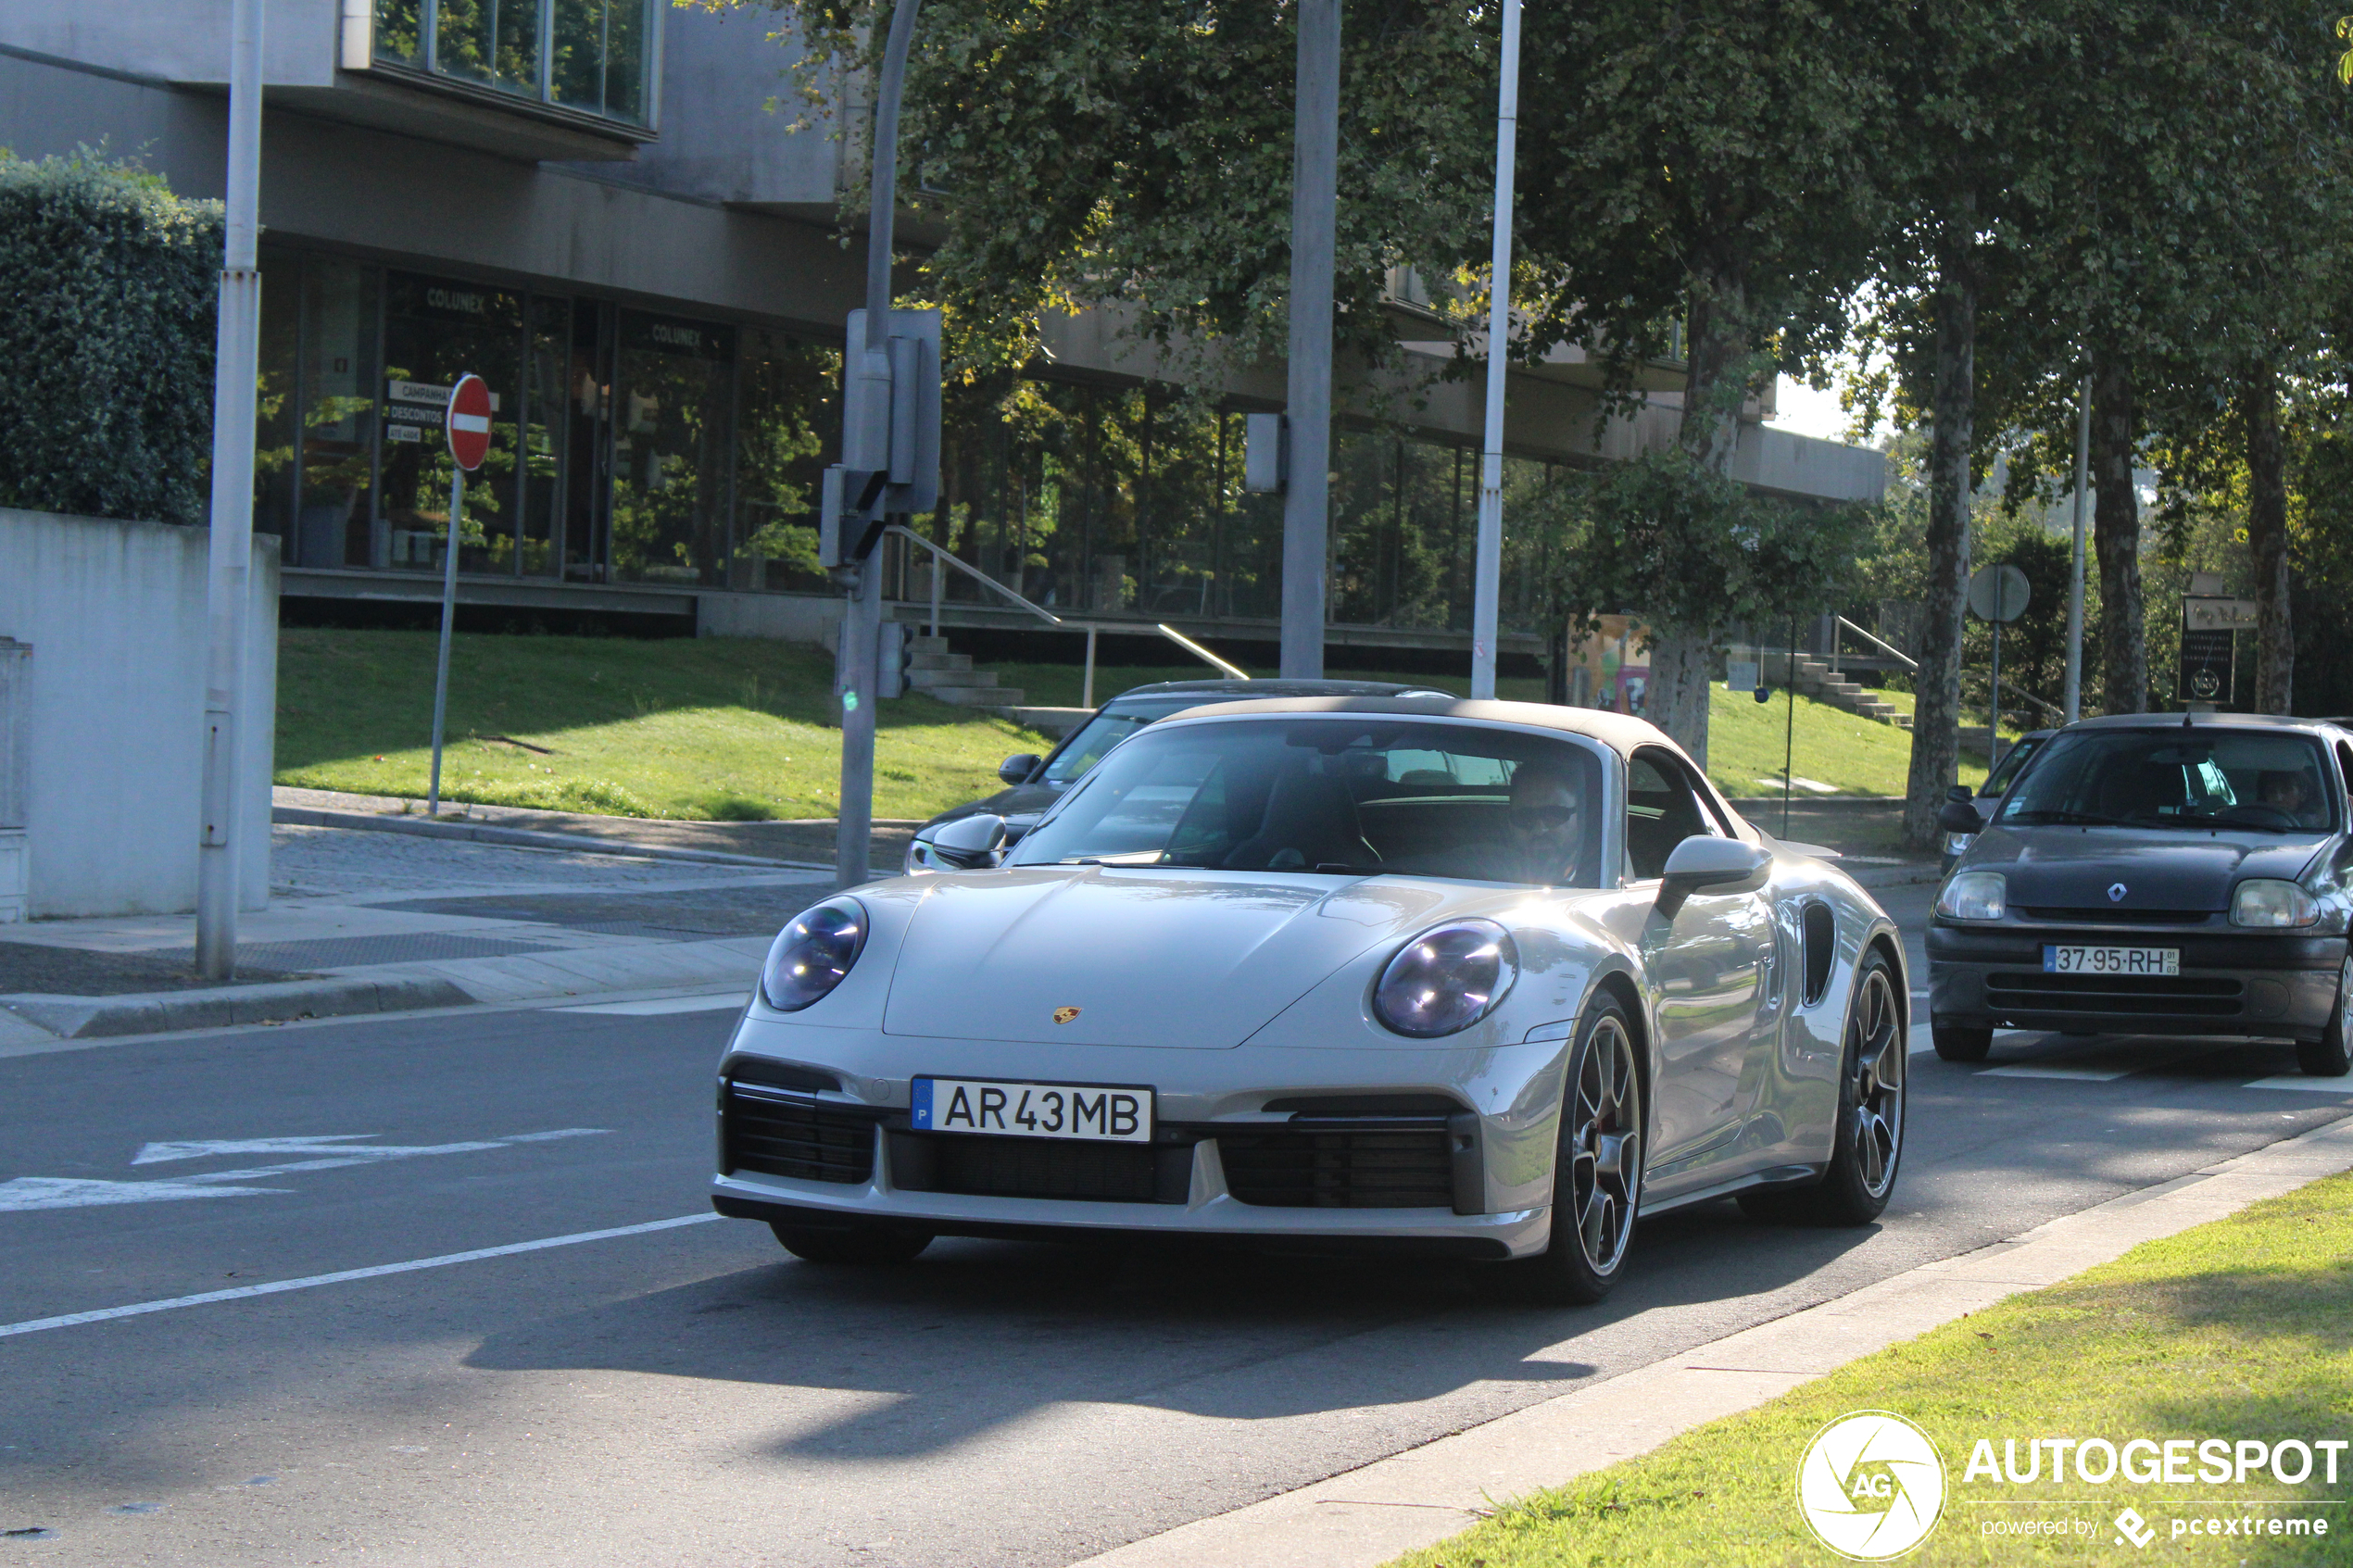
2116	891
1064	1015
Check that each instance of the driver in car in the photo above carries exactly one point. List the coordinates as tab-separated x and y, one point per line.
1543	840
2288	790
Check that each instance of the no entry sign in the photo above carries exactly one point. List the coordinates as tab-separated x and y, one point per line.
469	422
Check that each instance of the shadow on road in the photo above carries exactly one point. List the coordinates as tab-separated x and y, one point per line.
977	1335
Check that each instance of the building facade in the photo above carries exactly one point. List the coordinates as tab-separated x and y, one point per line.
594	206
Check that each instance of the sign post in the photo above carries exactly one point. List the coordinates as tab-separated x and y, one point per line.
467	428
1996	593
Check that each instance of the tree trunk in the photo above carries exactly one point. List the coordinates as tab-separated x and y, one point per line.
1936	713
1715	357
2267	540
2115	538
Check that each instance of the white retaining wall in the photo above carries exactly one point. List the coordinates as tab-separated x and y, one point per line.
114	716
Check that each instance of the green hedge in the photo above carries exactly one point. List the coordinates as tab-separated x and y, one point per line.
109	289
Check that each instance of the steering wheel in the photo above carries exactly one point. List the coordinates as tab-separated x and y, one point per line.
2264	816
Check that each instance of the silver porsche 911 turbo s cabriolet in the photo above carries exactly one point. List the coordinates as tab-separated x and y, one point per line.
1483	978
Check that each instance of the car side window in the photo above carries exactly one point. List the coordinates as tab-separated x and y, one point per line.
1661	812
2345	765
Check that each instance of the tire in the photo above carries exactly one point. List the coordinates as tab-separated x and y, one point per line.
1868	1143
2332	1055
1961	1045
1597	1171
864	1244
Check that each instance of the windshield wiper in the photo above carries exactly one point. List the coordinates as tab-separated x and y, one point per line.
2069	819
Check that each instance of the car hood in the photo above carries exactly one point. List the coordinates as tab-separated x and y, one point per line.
1197	960
2076	868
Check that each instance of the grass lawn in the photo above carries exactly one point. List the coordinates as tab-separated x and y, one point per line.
2242	1329
731	728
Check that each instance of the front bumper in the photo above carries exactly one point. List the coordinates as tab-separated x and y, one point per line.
815	1128
2252	985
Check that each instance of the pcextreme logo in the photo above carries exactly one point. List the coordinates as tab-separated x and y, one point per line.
1871	1486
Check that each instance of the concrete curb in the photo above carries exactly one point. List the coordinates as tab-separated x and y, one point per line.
158	1012
483	832
1364	1517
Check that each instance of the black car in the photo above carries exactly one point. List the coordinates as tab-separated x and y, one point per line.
2157	875
1035	783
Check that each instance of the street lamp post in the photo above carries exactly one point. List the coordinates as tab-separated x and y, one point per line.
229	552
1313	219
1487	568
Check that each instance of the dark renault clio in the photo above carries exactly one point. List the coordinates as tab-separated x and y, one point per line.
2151	876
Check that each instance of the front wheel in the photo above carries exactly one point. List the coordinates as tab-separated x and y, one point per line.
1869	1140
859	1244
2331	1055
1597	1175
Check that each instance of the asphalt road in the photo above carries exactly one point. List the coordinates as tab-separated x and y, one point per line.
691	1396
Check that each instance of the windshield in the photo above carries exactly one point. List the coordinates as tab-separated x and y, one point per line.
2175	779
1349	793
1104	730
2012	760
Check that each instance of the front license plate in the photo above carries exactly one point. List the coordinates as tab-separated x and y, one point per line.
1093	1111
2111	961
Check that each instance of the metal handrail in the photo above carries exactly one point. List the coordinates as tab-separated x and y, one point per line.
2051	708
972	571
1906	660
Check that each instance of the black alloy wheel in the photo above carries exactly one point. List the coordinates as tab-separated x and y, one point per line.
1868	1143
1597	1178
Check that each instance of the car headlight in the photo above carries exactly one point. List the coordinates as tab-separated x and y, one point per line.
810	956
2262	901
1973	896
1446	979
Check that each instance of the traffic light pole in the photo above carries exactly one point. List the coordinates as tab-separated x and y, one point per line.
1487	566
864	449
1314	215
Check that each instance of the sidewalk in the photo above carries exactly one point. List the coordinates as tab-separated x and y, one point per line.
363	922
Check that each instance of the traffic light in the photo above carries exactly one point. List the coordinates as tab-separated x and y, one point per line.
890	436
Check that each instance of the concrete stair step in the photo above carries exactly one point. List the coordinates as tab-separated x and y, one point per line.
977	696
928	660
927	644
930	680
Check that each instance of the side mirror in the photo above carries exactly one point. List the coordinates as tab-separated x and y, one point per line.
1960	793
1959	816
968	844
1703	860
1016	769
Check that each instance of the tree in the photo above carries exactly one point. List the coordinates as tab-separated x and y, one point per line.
1707	164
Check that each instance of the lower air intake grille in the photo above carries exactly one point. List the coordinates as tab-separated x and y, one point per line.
778	1134
1293	1169
2158	995
980	1166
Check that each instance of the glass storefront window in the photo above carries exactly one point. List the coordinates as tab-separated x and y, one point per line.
672	437
435	332
339	310
277	396
593	56
790	413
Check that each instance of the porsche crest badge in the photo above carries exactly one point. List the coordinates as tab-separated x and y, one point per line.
1064	1015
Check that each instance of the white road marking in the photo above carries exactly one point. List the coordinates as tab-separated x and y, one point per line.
660	1005
26	1193
73	1320
2306	1082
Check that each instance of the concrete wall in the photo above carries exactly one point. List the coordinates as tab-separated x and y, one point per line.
115	614
788	618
